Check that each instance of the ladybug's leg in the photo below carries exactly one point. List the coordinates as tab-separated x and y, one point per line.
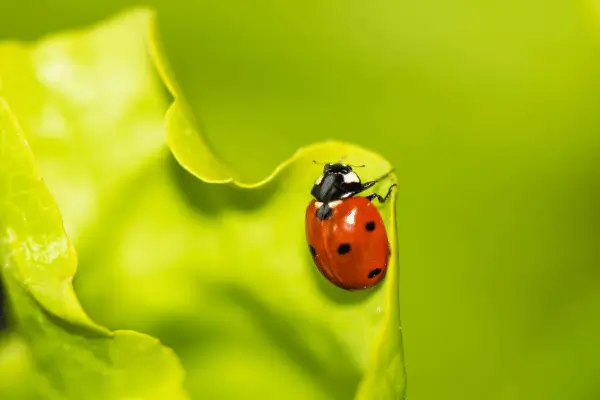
374	196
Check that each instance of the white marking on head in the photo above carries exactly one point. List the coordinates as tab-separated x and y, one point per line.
351	177
334	203
319	180
318	204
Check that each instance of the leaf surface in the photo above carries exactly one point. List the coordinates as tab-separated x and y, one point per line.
64	90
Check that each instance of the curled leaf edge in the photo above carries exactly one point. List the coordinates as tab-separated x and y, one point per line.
390	325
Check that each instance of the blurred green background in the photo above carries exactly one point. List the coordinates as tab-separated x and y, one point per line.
489	112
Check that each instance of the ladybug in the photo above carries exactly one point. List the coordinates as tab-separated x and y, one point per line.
345	232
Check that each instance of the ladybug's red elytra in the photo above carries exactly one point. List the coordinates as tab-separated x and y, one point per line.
345	232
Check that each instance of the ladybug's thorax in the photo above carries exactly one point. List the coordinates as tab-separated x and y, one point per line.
337	182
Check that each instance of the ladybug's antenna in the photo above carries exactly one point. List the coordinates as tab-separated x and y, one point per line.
319	163
385	175
350	165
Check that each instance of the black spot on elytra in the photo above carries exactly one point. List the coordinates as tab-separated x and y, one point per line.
324	212
344	248
312	250
374	273
370	226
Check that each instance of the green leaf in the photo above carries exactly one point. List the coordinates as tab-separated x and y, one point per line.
363	327
186	143
92	108
79	358
16	369
77	94
219	272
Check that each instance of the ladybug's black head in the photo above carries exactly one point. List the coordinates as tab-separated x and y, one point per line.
337	182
